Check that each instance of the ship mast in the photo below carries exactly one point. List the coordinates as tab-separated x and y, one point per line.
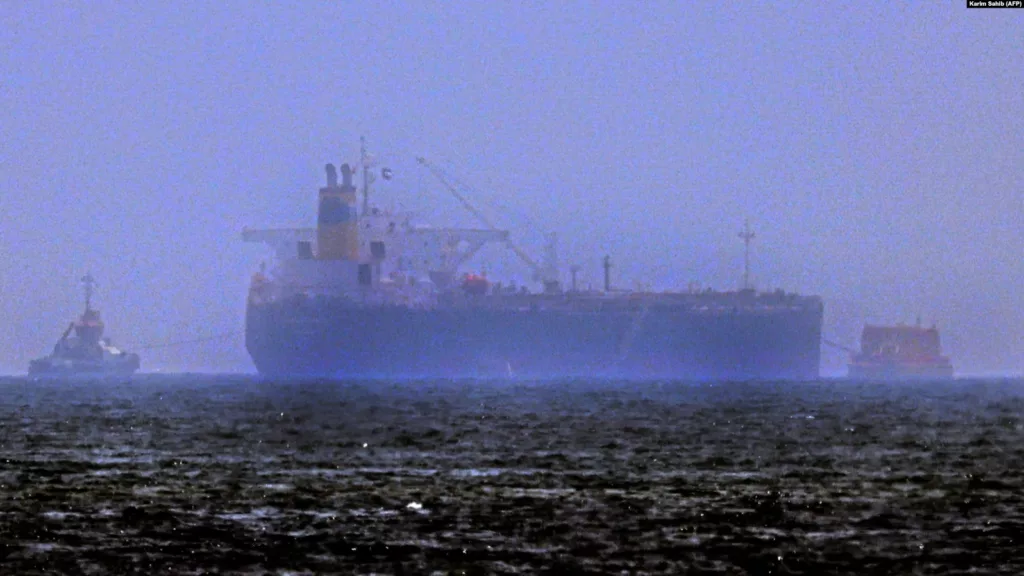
366	174
747	235
89	282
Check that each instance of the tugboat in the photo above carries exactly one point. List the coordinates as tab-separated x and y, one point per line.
86	353
900	353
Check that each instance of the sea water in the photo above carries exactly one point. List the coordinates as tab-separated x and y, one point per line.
235	474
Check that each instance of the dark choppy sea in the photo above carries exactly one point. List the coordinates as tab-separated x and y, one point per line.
233	475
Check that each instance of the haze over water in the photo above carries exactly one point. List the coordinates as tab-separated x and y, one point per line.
876	150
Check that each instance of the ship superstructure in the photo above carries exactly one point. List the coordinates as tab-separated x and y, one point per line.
370	293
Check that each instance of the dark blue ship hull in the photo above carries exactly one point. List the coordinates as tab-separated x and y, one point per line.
325	338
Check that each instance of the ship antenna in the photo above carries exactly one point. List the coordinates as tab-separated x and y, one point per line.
747	235
366	175
89	282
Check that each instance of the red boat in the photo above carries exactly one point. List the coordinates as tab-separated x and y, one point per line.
900	353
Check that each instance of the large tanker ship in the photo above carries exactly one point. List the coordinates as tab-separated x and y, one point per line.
368	293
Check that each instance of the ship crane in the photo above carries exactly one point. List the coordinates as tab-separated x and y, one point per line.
547	274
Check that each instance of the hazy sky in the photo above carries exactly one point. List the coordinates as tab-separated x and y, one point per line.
877	148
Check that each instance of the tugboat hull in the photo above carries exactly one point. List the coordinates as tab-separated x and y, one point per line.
900	372
61	368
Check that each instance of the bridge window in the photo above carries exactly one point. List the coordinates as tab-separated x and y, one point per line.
377	249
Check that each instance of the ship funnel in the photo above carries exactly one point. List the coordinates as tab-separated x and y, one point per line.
346	176
332	176
336	227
